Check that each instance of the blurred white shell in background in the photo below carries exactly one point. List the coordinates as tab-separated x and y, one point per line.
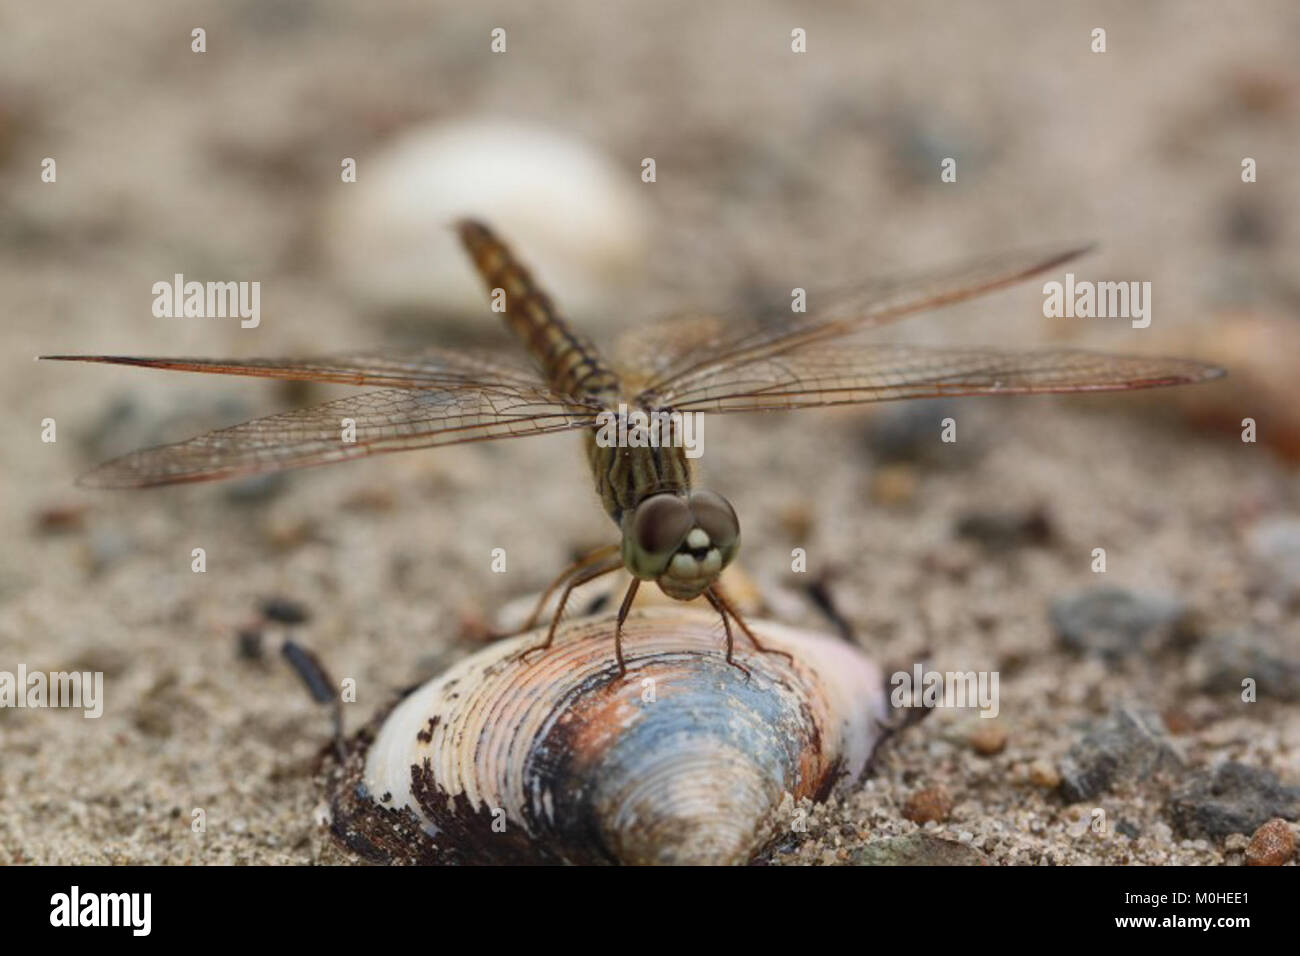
574	216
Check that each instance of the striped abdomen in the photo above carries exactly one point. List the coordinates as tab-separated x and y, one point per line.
570	363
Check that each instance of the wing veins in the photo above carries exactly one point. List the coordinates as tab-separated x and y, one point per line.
871	304
389	420
761	383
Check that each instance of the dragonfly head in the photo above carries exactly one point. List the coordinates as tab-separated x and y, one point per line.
681	541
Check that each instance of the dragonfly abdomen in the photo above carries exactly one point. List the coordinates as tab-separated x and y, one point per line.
570	363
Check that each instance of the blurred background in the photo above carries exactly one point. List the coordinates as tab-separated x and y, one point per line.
773	170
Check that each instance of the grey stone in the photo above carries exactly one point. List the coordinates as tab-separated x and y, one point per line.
1274	547
1232	798
1114	622
1130	743
917	849
911	433
1226	659
1006	530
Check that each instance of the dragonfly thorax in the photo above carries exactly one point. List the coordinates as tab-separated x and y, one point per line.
681	541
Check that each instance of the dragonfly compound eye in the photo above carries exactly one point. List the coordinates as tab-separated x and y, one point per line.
715	515
659	525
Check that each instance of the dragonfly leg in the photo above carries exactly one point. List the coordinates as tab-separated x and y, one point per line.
599	555
576	581
618	627
721	608
728	608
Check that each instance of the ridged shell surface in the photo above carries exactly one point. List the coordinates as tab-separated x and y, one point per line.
554	757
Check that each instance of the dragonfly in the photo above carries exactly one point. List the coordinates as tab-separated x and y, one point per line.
671	533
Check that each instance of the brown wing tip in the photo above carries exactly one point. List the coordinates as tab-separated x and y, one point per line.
1173	372
118	474
472	230
114	473
140	361
1168	371
1066	252
102	359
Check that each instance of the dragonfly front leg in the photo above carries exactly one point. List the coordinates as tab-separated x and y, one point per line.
577	580
618	627
725	607
721	608
599	555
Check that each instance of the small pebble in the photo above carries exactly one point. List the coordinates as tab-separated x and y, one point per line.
1006	530
284	611
988	737
796	521
1236	843
927	805
61	519
1043	773
288	534
1178	721
249	644
1272	845
370	500
893	485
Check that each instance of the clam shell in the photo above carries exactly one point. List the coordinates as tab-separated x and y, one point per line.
555	758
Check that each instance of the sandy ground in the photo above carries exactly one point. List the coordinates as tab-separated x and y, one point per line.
775	171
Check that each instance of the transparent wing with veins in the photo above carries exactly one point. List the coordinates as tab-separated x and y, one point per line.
416	368
704	363
434	397
655	356
442	398
385	421
855	373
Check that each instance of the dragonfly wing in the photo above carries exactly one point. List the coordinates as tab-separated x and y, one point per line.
651	352
415	368
384	421
682	345
856	373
